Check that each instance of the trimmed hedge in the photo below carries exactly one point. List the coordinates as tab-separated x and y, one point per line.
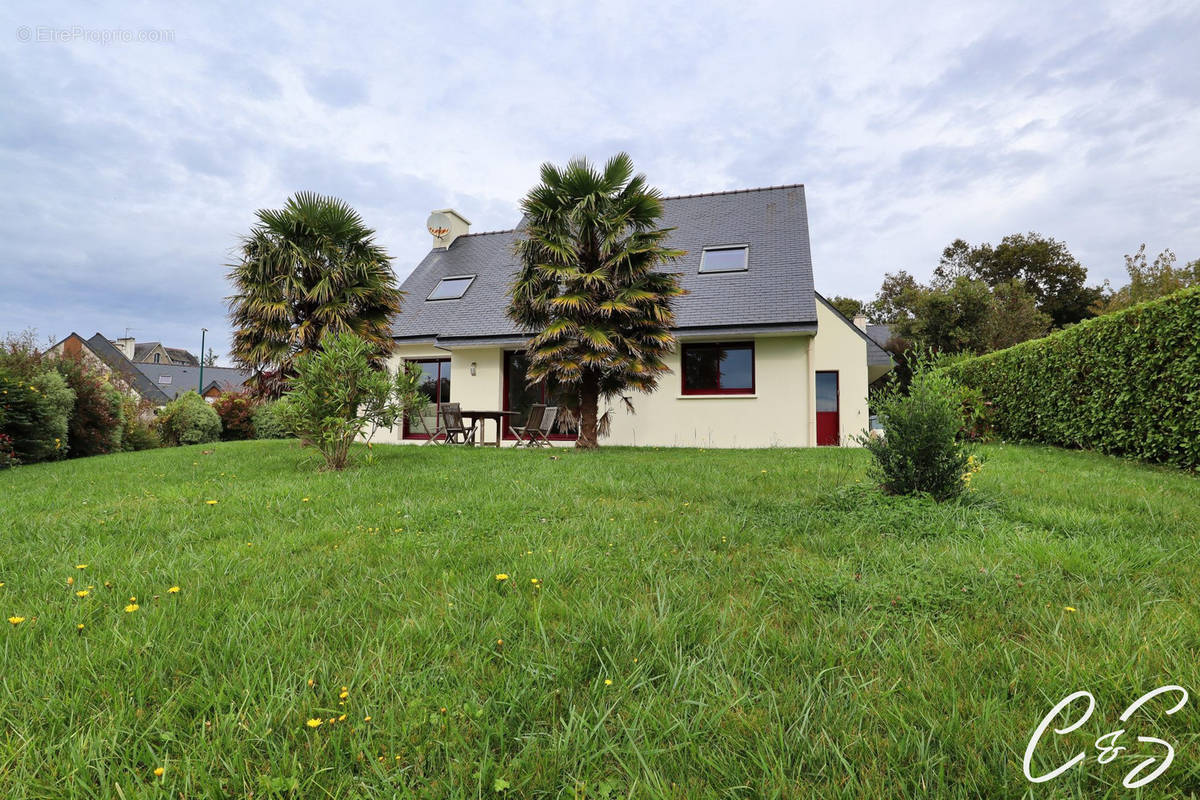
1126	383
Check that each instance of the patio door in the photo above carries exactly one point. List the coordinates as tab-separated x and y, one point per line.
828	422
435	385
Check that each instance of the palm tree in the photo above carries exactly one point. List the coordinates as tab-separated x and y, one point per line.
308	269
588	284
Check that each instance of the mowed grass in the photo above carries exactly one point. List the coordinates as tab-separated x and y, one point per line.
703	624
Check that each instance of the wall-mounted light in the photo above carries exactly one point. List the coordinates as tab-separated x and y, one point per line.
472	367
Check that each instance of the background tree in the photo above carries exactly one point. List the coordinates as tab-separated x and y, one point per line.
1047	269
894	300
588	285
1013	317
848	306
306	270
1150	281
210	359
951	320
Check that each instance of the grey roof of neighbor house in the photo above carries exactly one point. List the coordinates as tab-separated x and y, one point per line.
880	333
774	293
116	360
184	379
142	349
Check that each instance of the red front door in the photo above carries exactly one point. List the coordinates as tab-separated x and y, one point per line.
827	408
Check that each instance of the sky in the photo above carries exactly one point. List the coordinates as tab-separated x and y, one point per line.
138	140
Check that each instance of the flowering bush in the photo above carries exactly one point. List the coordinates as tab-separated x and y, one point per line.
34	414
188	419
236	412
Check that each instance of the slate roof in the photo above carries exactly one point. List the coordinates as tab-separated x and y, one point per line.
116	360
184	379
142	349
775	293
880	333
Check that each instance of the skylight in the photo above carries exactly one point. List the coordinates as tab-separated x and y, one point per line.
724	259
451	288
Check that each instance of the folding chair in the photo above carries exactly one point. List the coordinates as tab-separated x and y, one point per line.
540	436
525	433
453	426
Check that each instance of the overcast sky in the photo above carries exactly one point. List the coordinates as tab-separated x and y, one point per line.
136	142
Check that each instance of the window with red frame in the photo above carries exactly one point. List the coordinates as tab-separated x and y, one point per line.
718	368
435	385
519	397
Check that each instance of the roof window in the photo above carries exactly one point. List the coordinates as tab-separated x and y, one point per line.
451	288
729	258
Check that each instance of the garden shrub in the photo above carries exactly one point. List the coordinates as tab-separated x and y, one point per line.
97	418
140	437
1126	383
236	412
922	450
268	421
336	394
188	419
34	415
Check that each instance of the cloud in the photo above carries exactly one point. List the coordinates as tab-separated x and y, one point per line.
133	168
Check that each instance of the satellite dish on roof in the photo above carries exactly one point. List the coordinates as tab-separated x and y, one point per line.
438	224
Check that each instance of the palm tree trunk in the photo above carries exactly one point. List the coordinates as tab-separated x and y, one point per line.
589	408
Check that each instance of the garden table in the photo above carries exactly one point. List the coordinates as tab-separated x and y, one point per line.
495	416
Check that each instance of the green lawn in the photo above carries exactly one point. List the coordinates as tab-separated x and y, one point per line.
771	627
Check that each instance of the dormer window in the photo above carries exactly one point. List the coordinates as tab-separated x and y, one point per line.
157	358
727	258
451	288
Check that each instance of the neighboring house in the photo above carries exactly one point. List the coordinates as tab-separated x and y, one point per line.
154	353
174	380
763	359
157	384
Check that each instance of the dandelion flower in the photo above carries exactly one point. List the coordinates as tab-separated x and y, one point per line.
82	593
303	499
608	681
315	723
342	718
132	607
502	576
311	683
79	627
81	566
173	590
1068	608
367	718
133	599
158	772
343	695
16	620
210	502
70	581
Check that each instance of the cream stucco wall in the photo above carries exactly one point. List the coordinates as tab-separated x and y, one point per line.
779	414
838	346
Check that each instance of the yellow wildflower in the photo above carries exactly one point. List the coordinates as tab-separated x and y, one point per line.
342	718
70	581
173	590
343	695
132	607
158	772
79	627
82	593
210	502
16	620
311	683
304	500
315	723
367	718
1068	608
608	681
81	566
502	576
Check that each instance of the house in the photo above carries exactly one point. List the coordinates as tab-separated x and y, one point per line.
763	359
155	383
154	353
173	380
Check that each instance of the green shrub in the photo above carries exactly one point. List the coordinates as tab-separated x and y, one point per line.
336	394
34	415
268	422
97	417
140	437
922	449
188	419
1126	383
236	412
